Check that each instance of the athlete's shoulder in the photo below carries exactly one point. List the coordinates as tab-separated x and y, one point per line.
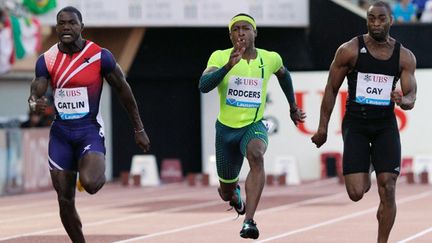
50	56
407	57
52	51
271	57
267	53
348	50
41	68
351	45
224	52
218	58
93	44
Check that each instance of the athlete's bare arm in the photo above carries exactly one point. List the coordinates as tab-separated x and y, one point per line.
37	101
118	82
407	99
343	62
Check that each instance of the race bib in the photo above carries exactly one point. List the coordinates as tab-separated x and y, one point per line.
244	92
374	89
71	103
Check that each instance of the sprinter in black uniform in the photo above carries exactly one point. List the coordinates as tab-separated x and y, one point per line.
373	64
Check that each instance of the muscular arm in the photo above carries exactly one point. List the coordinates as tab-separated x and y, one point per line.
339	68
408	81
39	85
118	82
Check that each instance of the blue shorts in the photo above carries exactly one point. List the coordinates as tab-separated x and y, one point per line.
69	142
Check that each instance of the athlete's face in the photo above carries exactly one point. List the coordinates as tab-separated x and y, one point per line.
68	27
244	33
379	20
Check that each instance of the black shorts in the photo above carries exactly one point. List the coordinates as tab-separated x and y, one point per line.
373	141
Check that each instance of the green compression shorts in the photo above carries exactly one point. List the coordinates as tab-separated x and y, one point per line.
231	145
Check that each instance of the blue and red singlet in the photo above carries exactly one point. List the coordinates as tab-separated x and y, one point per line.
76	81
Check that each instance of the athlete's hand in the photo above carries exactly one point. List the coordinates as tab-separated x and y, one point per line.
319	138
401	101
396	97
297	116
236	54
142	140
38	105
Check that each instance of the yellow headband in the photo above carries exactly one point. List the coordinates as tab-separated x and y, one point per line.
242	18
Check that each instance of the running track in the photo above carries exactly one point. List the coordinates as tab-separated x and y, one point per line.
317	211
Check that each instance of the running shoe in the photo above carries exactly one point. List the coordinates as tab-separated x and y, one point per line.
249	230
239	206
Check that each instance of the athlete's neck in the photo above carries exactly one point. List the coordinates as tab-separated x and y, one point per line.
380	42
71	48
250	53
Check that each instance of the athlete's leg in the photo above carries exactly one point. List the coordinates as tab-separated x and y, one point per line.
64	184
91	168
226	191
63	176
357	184
356	158
91	162
256	177
387	208
229	160
386	155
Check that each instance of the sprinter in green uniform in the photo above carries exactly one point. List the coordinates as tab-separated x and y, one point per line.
241	74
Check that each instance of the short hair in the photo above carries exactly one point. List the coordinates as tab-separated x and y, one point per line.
382	4
243	14
71	9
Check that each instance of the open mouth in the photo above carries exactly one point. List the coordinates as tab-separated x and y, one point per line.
66	36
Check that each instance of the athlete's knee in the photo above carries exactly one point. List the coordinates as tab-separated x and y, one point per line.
387	191
92	184
255	157
355	194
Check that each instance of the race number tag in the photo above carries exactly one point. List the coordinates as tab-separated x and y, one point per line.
374	89
71	103
244	92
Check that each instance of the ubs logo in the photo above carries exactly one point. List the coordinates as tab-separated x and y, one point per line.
375	78
238	81
62	93
367	78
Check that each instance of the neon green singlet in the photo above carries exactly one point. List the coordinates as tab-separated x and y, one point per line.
243	90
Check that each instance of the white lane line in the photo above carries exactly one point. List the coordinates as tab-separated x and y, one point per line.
122	203
416	235
195	226
342	218
118	219
102	206
40	232
18	204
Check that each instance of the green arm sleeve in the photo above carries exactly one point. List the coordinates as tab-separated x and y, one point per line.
287	87
211	80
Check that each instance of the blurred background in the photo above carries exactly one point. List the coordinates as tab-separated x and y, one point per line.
163	47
